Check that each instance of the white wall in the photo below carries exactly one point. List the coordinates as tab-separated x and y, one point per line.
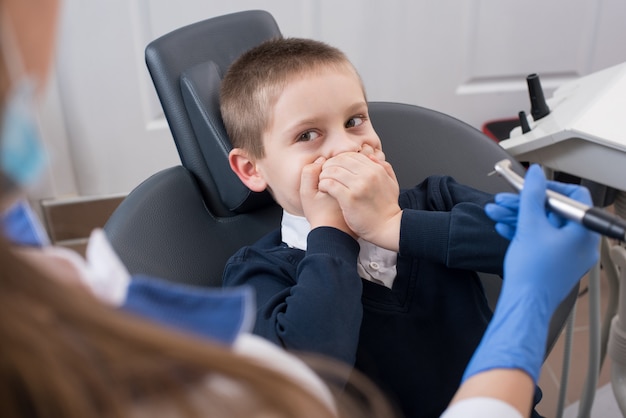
467	58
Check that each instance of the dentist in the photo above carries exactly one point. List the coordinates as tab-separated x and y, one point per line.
63	353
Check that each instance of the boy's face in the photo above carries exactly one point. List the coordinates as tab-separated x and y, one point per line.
321	114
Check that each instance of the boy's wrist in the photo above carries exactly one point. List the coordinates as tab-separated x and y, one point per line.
340	225
387	234
340	228
330	240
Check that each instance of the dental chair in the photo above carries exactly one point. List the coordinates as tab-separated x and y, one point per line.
183	223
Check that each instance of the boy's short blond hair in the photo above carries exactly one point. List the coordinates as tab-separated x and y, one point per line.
253	83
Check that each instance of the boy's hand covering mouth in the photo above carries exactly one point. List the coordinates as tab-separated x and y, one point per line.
367	191
320	208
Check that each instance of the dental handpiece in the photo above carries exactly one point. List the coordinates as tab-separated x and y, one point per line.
592	218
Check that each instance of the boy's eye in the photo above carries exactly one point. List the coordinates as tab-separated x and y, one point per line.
355	121
307	136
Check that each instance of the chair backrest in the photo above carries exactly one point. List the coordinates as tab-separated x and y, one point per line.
205	50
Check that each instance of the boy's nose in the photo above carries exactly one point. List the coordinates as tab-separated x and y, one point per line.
366	149
346	143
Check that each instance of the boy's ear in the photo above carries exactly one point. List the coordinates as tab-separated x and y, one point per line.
246	170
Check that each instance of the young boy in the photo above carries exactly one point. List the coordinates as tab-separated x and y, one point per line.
359	271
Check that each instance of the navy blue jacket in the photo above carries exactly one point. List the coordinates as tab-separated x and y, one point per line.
413	340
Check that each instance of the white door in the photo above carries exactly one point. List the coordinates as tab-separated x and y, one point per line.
467	58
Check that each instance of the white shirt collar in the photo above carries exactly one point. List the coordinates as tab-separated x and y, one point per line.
294	230
375	264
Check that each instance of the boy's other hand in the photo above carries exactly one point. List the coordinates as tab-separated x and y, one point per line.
320	208
367	191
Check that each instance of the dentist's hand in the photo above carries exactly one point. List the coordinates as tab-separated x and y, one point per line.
505	210
548	254
547	257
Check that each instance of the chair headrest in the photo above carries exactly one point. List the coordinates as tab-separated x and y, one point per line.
200	87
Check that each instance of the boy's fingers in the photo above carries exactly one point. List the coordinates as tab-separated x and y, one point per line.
334	188
347	168
388	169
309	178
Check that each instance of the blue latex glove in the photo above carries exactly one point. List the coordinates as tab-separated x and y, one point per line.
548	255
506	208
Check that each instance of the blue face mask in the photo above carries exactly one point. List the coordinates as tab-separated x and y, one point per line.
22	155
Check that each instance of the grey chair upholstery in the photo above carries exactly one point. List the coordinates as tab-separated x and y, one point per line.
164	229
184	222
